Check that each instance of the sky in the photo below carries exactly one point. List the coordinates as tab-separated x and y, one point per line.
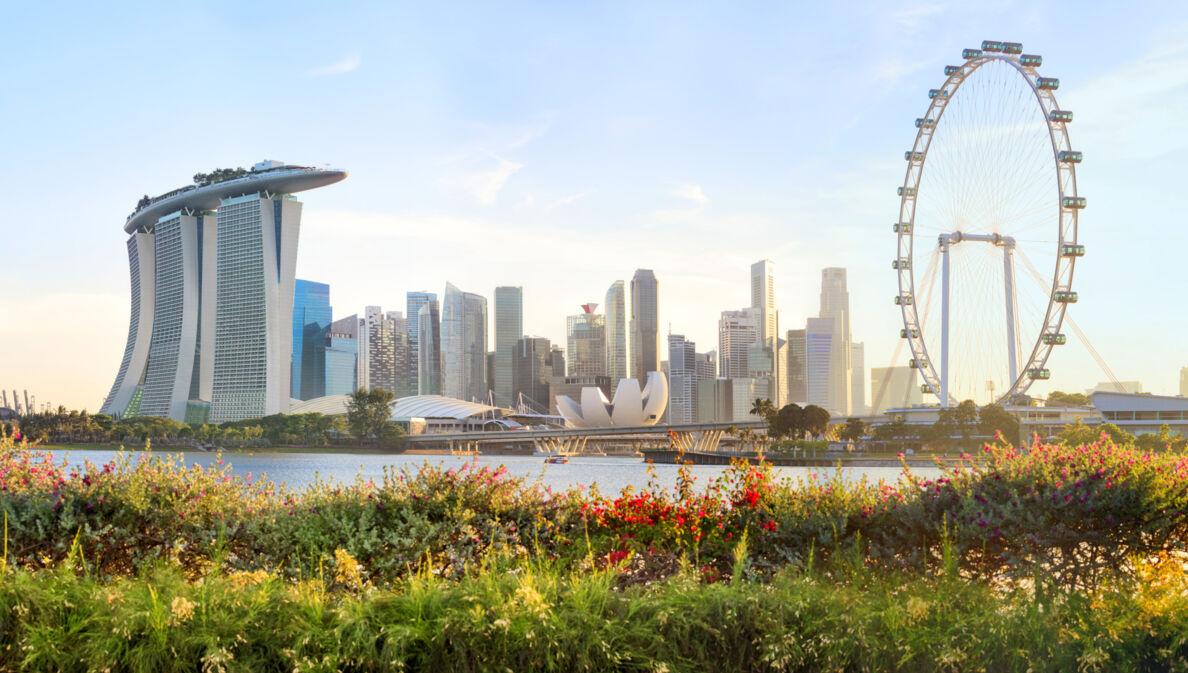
561	146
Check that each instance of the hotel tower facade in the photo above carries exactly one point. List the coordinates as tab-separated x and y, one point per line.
212	270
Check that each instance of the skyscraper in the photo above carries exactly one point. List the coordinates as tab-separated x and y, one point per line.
256	262
893	388
509	329
342	351
618	332
428	348
682	380
818	357
797	368
1184	381
311	317
532	369
387	351
645	324
586	334
835	305
412	308
464	345
737	331
763	298
858	379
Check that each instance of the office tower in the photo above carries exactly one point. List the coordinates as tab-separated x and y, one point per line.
682	380
644	340
893	388
464	345
532	369
414	301
509	329
618	332
342	351
767	365
835	305
763	298
737	330
428	348
706	365
586	335
797	368
818	358
715	400
1184	381
311	317
858	380
557	360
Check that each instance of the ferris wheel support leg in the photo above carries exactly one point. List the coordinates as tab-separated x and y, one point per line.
944	375
1008	261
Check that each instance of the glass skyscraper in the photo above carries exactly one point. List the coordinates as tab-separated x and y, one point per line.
464	345
509	329
645	324
586	334
618	332
428	349
342	352
414	301
312	316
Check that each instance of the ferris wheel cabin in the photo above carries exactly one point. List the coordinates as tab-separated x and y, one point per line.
1072	250
1069	157
1065	296
1055	339
925	123
938	93
913	334
1012	47
1048	83
991	45
901	264
950	69
968	54
906	191
1039	374
913	156
1062	116
1031	60
903	300
1076	202
902	228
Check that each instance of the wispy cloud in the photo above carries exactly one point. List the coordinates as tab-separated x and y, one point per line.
484	185
566	200
691	192
913	17
348	64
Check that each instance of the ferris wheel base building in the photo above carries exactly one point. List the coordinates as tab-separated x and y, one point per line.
213	268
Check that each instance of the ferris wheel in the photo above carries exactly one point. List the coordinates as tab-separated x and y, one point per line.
991	182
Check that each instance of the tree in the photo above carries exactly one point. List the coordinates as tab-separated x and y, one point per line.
368	412
1079	434
1163	440
788	422
853	430
993	418
1057	397
965	417
816	420
763	408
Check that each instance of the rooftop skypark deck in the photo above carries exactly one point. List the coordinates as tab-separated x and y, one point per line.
279	180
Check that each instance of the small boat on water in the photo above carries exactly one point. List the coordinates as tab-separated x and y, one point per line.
556	460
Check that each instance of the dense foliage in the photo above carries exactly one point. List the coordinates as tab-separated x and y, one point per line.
1002	561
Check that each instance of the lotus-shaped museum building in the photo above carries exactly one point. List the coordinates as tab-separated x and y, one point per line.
630	407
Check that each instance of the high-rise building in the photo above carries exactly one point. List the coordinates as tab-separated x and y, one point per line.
818	358
509	329
858	379
387	351
715	400
797	368
1184	381
586	334
414	301
707	365
532	369
428	348
763	298
645	324
464	345
682	380
894	388
618	332
342	351
737	330
311	317
835	305
557	361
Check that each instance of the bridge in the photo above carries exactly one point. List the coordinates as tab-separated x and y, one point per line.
688	437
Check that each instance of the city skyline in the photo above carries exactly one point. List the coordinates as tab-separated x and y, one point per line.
759	171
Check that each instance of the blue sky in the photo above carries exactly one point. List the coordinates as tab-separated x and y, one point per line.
559	146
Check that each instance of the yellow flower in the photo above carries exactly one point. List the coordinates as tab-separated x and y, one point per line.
917	607
348	571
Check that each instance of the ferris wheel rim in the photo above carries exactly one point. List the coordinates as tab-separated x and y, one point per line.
1066	222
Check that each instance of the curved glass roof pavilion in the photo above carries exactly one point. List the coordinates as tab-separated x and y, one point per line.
281	180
